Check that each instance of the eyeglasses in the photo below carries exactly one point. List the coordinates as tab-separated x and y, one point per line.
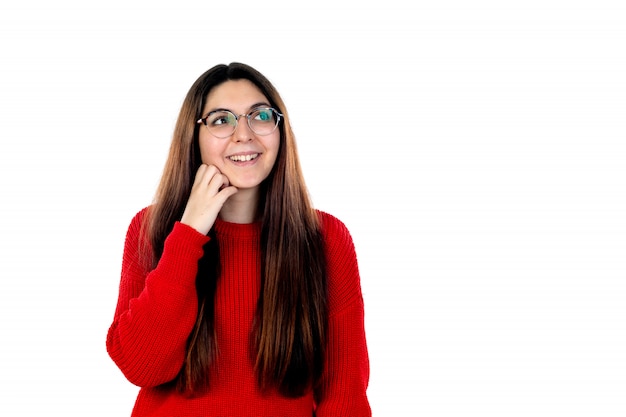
222	123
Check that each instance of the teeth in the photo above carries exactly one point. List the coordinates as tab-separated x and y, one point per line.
243	158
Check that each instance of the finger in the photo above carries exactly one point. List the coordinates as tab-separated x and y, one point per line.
204	175
226	193
218	182
200	174
225	182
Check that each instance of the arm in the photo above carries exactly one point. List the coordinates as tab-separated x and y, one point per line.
156	309
342	391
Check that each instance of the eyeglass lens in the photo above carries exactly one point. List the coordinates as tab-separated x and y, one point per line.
261	121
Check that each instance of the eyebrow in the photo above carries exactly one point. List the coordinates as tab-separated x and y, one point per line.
255	105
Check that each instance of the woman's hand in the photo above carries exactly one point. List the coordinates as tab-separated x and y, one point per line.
209	192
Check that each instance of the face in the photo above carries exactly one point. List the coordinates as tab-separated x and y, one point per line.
244	157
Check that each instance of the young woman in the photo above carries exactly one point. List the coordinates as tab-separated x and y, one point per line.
237	298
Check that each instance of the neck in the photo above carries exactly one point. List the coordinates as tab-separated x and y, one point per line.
241	207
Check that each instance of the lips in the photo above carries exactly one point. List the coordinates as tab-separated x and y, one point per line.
243	158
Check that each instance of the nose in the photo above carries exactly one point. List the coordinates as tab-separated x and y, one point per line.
242	131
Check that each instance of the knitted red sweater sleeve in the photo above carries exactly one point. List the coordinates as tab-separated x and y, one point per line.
156	310
346	377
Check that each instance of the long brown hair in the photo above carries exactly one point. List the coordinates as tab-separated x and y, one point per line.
289	334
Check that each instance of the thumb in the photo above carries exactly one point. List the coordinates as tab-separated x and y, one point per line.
227	192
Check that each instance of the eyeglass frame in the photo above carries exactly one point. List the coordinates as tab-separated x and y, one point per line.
279	115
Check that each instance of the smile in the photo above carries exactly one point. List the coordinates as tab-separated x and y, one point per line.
243	158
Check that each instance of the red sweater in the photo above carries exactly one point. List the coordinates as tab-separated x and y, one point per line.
157	309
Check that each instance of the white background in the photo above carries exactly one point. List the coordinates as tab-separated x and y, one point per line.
475	149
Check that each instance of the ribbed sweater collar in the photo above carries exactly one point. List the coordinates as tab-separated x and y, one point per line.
225	229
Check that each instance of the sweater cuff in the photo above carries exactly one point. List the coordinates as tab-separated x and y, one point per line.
182	250
188	233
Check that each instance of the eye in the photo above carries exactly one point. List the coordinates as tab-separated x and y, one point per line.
220	118
263	115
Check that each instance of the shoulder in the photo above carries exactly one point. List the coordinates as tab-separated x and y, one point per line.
141	215
137	228
138	220
333	229
344	286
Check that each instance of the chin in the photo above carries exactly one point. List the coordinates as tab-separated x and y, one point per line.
245	185
247	182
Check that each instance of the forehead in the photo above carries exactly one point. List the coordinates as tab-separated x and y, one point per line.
238	95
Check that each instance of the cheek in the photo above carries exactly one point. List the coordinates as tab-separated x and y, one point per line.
209	153
274	145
